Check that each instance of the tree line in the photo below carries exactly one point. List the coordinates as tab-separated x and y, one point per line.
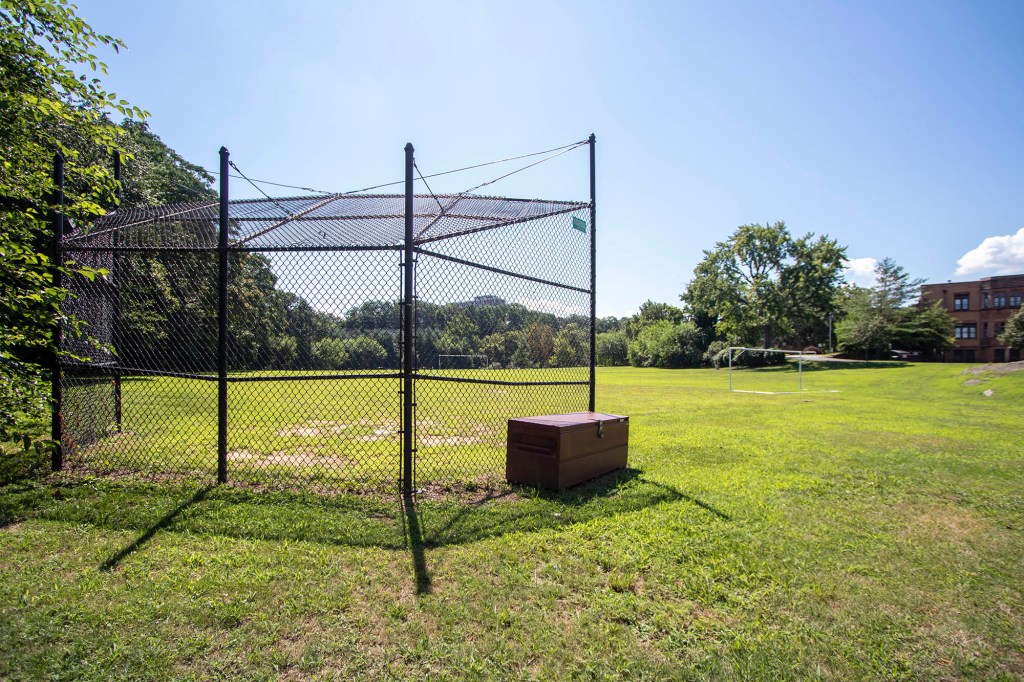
169	322
765	288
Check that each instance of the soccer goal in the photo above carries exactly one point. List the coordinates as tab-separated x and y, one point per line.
736	352
461	361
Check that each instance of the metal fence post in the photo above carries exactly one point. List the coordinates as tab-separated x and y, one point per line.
116	317
222	325
56	390
730	369
408	345
593	276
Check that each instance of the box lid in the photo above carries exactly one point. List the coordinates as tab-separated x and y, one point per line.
570	420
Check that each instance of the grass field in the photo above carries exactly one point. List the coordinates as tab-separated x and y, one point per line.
332	434
872	532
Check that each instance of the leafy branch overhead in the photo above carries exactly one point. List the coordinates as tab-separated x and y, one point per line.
52	101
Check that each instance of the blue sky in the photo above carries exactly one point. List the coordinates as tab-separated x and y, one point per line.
895	128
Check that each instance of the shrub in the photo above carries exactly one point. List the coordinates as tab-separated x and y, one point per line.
570	347
361	352
612	348
667	345
716	354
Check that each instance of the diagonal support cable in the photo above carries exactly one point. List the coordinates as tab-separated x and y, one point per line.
291	218
462	195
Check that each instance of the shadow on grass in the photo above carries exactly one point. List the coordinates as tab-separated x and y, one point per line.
397	523
18	465
21	489
164	522
414	539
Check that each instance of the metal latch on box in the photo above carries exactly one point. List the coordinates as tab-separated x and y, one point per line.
600	429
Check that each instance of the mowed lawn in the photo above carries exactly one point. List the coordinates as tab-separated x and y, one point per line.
328	434
869	527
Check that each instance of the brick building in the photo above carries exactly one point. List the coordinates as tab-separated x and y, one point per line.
981	309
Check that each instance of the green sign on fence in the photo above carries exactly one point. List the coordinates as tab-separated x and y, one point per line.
579	224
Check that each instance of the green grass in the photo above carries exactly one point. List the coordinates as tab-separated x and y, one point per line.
334	434
872	532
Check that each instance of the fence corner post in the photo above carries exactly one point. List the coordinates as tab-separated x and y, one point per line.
593	276
115	276
222	323
408	343
56	255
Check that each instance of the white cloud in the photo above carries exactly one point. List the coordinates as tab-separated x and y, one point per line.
1001	255
861	271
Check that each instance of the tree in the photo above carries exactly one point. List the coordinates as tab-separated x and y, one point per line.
257	311
863	330
49	105
460	334
877	319
762	286
738	284
365	353
667	345
504	348
330	353
925	328
570	346
651	312
540	344
285	349
609	324
894	289
612	348
809	285
1013	332
360	352
156	174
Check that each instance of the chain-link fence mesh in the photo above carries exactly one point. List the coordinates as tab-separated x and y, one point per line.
517	296
314	340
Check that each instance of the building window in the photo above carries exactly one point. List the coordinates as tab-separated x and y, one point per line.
999	300
967	330
1016	300
984	330
984	300
999	327
963	355
961	302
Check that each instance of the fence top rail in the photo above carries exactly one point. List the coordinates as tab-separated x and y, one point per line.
311	221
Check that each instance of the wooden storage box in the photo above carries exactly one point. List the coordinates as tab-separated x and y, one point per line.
561	450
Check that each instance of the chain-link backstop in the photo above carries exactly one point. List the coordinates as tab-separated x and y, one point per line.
345	341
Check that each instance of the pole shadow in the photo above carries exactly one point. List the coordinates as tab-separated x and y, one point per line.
413	534
165	521
406	523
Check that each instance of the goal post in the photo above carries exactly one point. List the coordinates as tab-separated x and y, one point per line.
464	361
737	351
